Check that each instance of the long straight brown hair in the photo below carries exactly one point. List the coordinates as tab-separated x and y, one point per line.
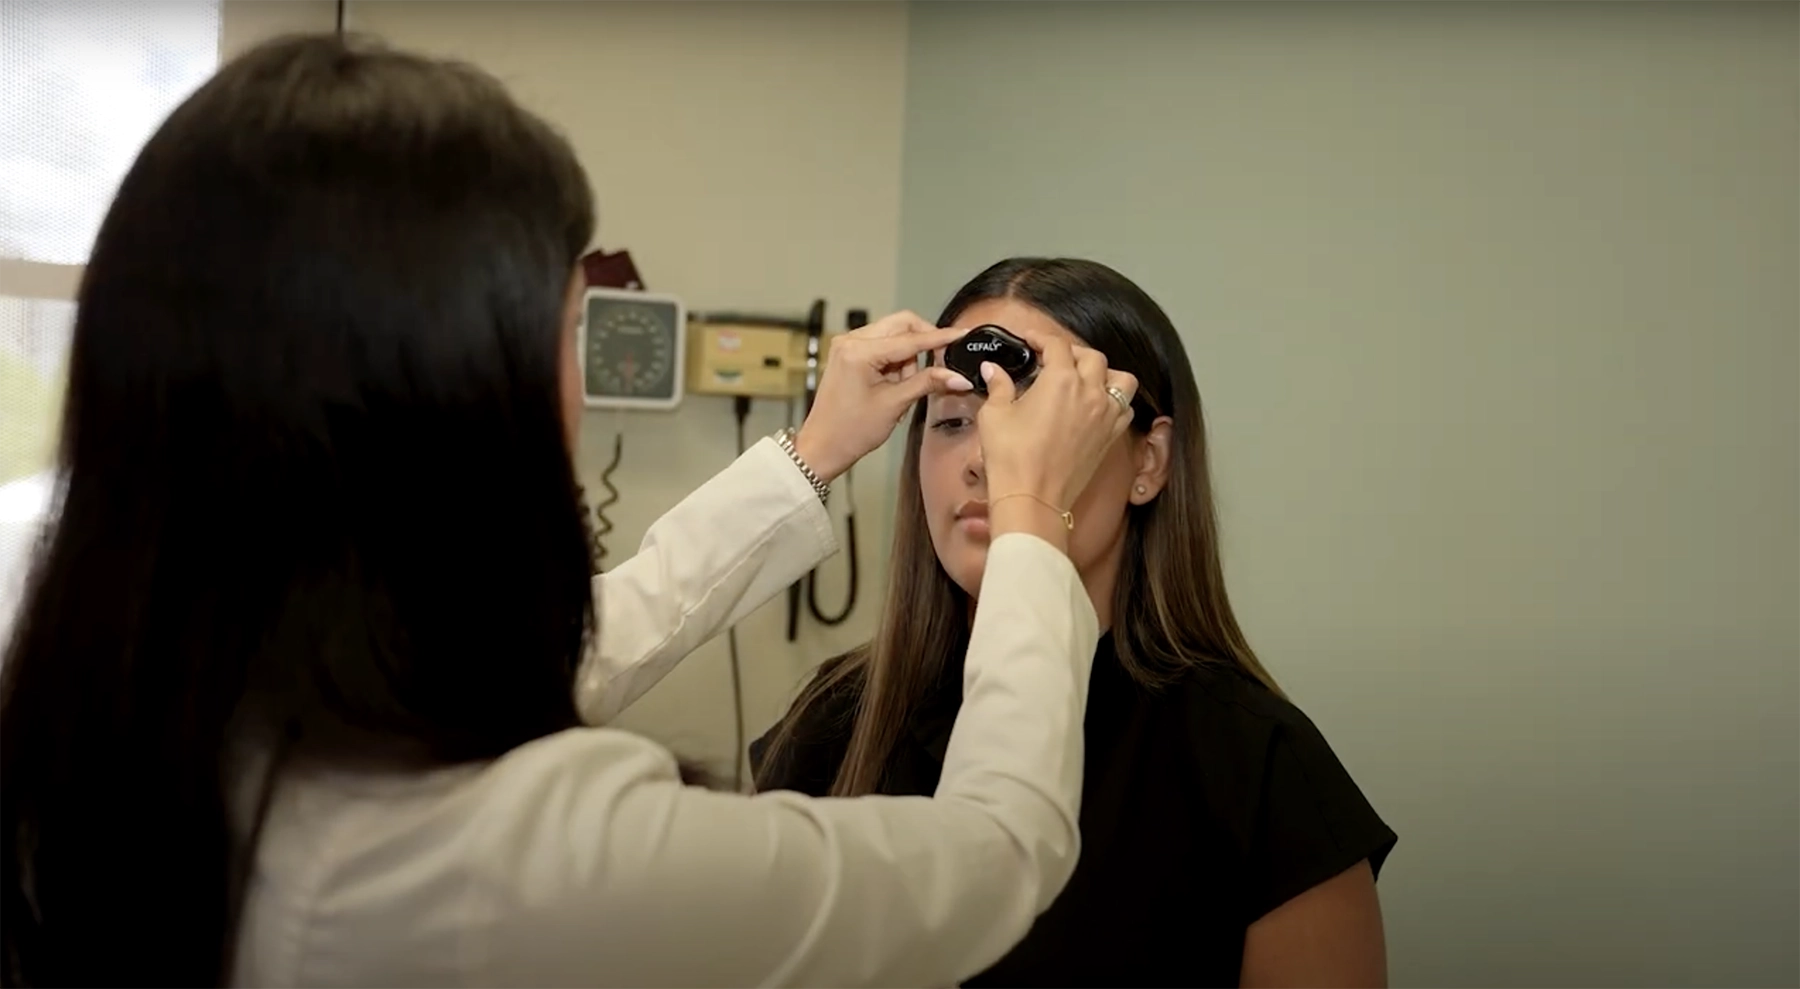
1171	612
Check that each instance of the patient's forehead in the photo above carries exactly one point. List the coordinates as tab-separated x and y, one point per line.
1009	314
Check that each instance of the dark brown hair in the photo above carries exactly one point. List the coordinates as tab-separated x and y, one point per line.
1171	611
314	490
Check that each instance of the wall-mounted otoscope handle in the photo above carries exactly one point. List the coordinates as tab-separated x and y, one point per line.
815	334
853	320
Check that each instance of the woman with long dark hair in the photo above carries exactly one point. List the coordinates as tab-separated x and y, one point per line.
1223	842
300	688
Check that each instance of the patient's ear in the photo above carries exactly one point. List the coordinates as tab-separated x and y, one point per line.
1152	462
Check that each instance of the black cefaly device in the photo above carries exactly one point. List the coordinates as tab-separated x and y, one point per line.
992	343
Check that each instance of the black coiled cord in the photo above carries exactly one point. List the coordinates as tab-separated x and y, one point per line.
603	525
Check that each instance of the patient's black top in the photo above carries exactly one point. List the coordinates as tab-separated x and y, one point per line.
1205	805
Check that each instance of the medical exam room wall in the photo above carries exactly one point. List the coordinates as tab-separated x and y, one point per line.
1494	309
748	155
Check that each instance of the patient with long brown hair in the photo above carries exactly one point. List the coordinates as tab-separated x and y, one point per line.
1223	843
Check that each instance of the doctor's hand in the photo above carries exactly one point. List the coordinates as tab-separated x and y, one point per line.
872	378
1040	449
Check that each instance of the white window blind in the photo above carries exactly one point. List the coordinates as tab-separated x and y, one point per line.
82	86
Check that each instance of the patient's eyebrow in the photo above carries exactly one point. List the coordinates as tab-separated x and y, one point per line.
967	400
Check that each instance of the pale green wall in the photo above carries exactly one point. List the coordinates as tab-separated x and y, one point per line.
1495	312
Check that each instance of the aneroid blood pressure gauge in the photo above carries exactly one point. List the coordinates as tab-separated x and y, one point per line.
633	352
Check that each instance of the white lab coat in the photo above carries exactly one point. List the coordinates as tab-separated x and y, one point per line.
580	859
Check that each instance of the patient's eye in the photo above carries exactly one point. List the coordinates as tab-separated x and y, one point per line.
950	415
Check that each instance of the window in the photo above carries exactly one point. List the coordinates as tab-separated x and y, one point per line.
82	86
34	344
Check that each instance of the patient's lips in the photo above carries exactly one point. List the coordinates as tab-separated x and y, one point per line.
972	518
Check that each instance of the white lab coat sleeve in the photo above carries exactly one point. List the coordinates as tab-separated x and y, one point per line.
718	555
597	867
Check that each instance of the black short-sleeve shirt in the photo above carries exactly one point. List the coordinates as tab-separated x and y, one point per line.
1206	804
